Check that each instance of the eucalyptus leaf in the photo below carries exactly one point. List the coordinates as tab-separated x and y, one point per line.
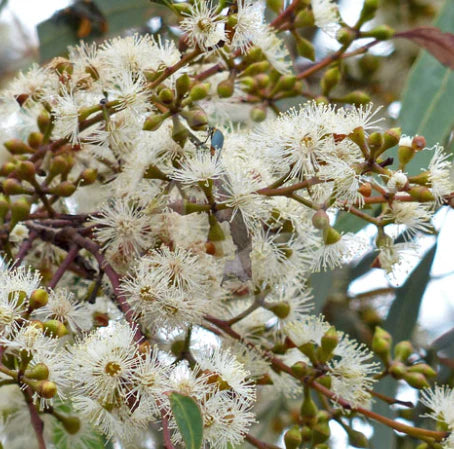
427	102
189	419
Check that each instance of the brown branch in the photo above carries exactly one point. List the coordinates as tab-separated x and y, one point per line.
72	253
37	422
258	443
24	249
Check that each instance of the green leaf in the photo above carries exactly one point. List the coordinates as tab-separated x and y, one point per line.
403	314
189	419
427	106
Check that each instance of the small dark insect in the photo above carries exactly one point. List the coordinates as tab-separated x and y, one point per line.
217	141
83	16
386	162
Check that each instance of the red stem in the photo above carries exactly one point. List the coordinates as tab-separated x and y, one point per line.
24	249
37	422
72	253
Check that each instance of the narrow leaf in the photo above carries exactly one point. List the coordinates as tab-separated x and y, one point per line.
189	419
437	43
427	106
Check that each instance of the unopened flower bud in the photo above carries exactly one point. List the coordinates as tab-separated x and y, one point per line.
320	219
38	372
166	96
64	189
88	176
308	407
391	137
43	121
182	85
375	141
58	166
286	82
403	350
196	118
199	91
17	146
26	170
262	80
381	342
381	33
38	298
179	132
329	340
300	369
365	189
423	368
356	438
405	153
20	210
306	433
305	48
248	84
304	18
345	36
226	88
398	370
258	114
421	194
320	432
46	389
357	97
8	168
275	5
4	206
55	328
153	122
418	143
256	68
416	380
325	381
70	423
368	10
182	8
35	139
330	79
12	186
292	438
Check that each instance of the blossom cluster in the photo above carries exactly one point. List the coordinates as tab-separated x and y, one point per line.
131	180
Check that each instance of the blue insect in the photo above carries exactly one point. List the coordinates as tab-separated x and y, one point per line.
217	141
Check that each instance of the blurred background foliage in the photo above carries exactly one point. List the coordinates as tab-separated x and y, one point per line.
417	93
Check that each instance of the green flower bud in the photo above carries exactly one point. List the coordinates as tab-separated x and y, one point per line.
397	370
177	347
35	139
16	147
58	166
226	88
256	68
391	137
20	210
306	433
166	96
38	298
421	194
300	369
258	114
369	64
416	380
286	82
325	381
88	176
345	36
375	141
55	328
182	85
248	84
182	8
199	91
330	79
70	423
275	5
305	48
179	132
368	11
12	186
422	368
356	97
64	189
357	439
381	33
215	233
381	343
196	118
8	168
43	121
262	80
153	122
308	407
38	372
403	350
329	340
304	18
26	170
320	433
292	438
46	389
4	206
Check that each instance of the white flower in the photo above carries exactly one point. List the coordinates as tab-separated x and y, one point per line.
274	50
203	26
440	399
414	216
199	169
326	15
19	234
334	255
123	228
63	306
102	364
250	24
233	377
189	382
309	329
405	141
226	420
397	182
440	174
66	114
352	372
393	257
